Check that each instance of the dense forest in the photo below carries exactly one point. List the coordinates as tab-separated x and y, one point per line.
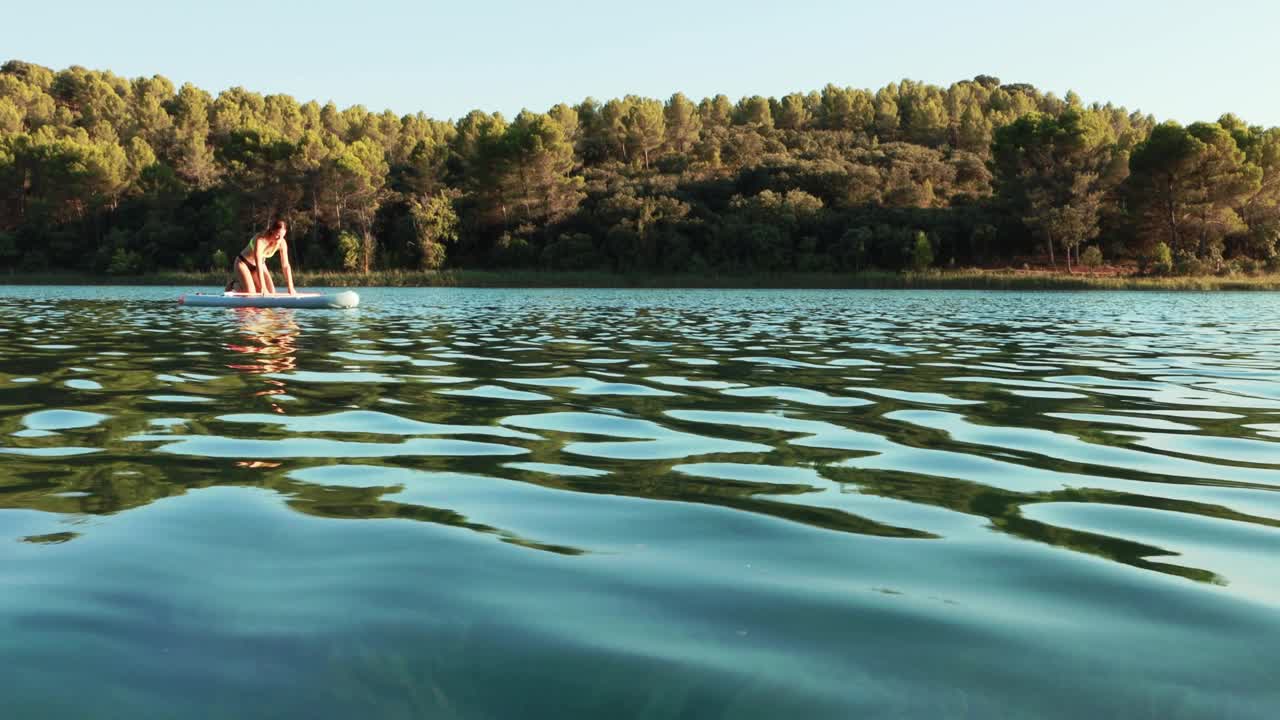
104	174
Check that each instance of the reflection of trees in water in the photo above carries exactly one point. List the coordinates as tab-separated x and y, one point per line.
264	347
111	487
270	346
364	503
100	485
94	485
1004	509
659	482
267	344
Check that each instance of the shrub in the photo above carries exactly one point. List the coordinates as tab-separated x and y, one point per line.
1091	257
574	251
124	262
1161	261
850	251
512	250
349	251
921	253
1186	263
672	163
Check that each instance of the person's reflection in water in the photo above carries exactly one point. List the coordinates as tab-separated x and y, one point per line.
271	341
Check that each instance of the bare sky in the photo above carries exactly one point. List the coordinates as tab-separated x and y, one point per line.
1178	60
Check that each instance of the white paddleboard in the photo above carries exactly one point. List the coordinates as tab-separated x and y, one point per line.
345	299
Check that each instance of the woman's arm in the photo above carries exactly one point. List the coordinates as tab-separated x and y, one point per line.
284	266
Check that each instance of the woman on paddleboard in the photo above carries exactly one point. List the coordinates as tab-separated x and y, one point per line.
249	272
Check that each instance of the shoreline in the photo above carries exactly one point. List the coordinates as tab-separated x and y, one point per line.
937	280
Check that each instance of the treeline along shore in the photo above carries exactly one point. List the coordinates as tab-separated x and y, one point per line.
962	279
106	177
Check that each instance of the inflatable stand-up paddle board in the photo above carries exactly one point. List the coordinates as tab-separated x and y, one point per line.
345	299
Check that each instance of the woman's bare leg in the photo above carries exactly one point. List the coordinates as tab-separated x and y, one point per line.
244	279
271	284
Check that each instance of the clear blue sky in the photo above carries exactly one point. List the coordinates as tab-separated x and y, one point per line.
1175	59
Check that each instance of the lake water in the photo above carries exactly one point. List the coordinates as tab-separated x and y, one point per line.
651	504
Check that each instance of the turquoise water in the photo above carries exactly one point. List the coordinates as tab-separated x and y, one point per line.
650	504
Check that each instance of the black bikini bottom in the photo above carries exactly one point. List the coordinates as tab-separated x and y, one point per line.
240	259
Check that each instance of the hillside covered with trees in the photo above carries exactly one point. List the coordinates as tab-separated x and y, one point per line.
109	175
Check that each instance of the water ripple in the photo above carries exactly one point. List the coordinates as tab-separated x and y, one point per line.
764	504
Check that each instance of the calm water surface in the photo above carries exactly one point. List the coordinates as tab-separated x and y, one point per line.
658	504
